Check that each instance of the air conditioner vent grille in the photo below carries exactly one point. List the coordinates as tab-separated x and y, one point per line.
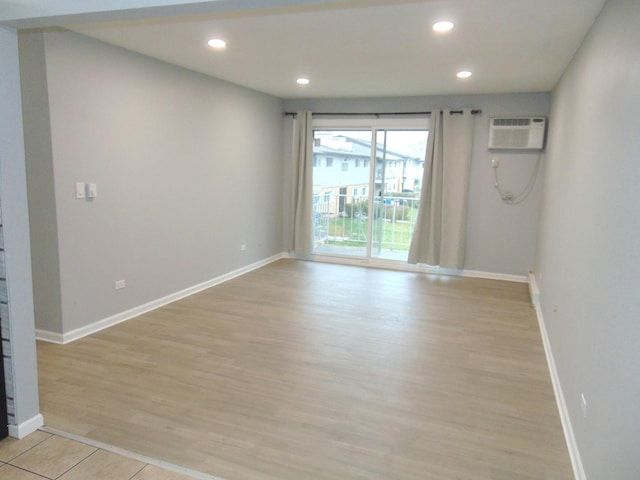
512	122
517	133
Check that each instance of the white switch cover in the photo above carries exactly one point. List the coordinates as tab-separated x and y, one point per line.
92	190
80	189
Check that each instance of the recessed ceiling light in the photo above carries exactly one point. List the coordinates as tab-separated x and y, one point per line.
303	81
217	43
464	74
444	26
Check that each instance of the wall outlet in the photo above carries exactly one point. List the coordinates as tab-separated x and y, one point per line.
583	405
243	247
120	284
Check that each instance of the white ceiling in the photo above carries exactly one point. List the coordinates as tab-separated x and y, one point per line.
371	49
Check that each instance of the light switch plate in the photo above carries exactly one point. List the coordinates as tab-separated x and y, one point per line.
92	190
80	190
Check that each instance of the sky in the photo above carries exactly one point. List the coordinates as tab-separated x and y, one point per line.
410	142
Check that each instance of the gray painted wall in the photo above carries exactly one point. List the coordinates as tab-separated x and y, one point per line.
588	265
15	229
501	238
187	169
42	201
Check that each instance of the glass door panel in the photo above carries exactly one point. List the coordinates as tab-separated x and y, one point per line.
341	178
398	178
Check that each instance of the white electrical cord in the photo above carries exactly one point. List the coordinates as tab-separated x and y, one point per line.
508	197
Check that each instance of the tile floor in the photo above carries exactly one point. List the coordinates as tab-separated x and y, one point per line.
43	455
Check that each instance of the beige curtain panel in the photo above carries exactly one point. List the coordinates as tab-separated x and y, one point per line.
303	176
439	235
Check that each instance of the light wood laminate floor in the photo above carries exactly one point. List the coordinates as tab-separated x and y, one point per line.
305	370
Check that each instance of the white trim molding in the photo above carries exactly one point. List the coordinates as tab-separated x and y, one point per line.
26	428
407	267
490	276
132	455
50	337
574	453
64	338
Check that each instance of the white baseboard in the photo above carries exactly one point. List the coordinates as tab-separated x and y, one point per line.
63	338
54	337
26	428
574	453
407	267
493	276
51	337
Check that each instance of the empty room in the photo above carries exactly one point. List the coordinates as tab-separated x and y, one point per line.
320	239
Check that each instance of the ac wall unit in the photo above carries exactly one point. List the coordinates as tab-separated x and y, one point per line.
517	133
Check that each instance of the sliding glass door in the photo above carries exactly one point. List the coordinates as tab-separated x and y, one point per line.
366	185
341	187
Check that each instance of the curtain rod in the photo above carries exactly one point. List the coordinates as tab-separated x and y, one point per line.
361	114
